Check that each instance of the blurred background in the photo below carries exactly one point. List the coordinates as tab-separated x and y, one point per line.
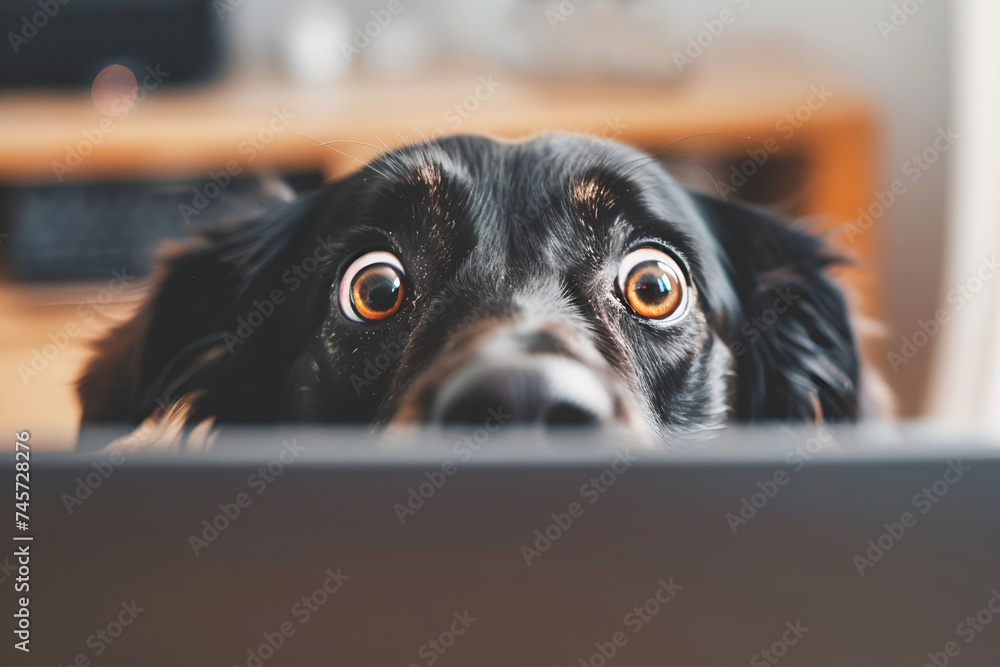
125	122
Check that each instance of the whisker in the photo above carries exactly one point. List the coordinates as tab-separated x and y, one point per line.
326	144
423	136
365	165
349	141
728	135
662	154
715	183
643	161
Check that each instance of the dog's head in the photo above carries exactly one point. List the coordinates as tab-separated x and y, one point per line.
563	280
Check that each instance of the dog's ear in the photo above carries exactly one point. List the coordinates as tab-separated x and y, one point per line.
789	330
183	343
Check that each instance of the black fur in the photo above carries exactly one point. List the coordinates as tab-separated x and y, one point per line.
486	231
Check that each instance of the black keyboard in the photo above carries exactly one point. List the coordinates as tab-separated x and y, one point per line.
83	231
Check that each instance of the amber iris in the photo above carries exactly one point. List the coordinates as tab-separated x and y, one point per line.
377	292
653	290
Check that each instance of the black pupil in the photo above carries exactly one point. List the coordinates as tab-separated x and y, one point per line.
653	283
379	288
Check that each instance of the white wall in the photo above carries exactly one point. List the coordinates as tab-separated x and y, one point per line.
966	386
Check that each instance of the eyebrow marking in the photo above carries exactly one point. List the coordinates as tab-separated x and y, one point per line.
430	184
425	181
596	192
425	174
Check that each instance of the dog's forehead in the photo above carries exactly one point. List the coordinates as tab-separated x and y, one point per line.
551	163
537	207
522	178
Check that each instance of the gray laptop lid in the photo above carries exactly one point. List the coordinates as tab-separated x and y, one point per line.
295	547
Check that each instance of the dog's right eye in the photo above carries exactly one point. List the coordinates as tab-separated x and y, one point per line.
372	287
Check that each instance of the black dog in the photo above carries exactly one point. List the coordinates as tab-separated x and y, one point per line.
563	280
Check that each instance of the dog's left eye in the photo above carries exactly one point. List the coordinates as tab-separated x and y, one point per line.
652	284
372	287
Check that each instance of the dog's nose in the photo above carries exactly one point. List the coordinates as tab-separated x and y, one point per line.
529	389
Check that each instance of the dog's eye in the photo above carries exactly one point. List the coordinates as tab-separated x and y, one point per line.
653	285
372	287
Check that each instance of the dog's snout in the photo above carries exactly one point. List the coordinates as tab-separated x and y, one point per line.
541	373
531	389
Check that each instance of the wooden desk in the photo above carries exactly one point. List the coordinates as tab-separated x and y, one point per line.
732	105
40	361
